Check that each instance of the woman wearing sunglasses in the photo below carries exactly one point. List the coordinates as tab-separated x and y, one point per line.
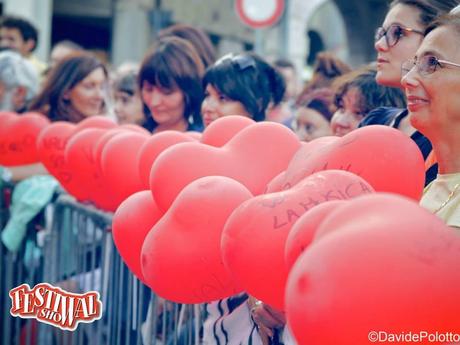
432	86
243	84
395	42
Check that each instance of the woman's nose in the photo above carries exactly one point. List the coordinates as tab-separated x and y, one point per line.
409	80
381	45
342	118
155	99
208	104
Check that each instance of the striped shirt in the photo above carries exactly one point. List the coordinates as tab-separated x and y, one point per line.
229	322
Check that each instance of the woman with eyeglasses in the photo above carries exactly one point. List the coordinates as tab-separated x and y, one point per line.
432	86
396	41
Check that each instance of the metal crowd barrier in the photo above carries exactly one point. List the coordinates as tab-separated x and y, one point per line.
15	268
78	255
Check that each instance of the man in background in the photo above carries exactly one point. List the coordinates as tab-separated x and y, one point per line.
20	35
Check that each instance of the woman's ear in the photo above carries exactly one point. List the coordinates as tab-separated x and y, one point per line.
66	95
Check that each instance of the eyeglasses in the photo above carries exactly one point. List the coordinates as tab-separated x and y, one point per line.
393	34
426	65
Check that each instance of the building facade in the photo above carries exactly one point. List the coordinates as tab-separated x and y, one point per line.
124	29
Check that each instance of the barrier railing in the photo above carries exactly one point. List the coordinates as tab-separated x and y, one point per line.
78	255
16	268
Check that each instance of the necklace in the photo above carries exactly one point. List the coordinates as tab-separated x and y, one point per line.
449	198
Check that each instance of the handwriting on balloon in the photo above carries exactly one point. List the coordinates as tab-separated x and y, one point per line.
290	215
20	144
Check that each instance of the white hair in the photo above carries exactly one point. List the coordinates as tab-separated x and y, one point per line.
17	71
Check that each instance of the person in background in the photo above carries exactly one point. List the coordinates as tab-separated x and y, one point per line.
21	35
243	84
74	90
313	115
396	41
326	68
246	85
357	93
431	80
128	105
63	49
197	37
289	73
170	82
18	82
284	112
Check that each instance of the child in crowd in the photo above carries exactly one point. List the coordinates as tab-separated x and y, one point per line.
128	105
356	94
313	115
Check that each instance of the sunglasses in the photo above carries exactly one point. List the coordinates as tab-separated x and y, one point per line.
242	62
426	65
393	34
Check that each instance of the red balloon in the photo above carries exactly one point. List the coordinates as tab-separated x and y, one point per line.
97	150
132	221
4	115
181	258
303	231
279	182
152	148
296	165
119	165
220	131
135	128
385	157
100	144
98	121
7	119
78	154
254	237
194	135
253	157
393	267
18	138
51	145
276	184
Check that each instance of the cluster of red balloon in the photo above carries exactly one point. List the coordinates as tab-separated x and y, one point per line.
73	154
139	213
206	230
246	206
377	265
96	160
197	185
215	233
262	224
18	135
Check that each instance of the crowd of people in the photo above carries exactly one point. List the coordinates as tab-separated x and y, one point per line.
182	85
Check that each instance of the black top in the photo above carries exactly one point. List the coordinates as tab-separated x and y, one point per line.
389	116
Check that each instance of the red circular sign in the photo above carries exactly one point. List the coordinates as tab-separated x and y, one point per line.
259	13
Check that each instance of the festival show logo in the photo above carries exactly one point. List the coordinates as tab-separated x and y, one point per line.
54	306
